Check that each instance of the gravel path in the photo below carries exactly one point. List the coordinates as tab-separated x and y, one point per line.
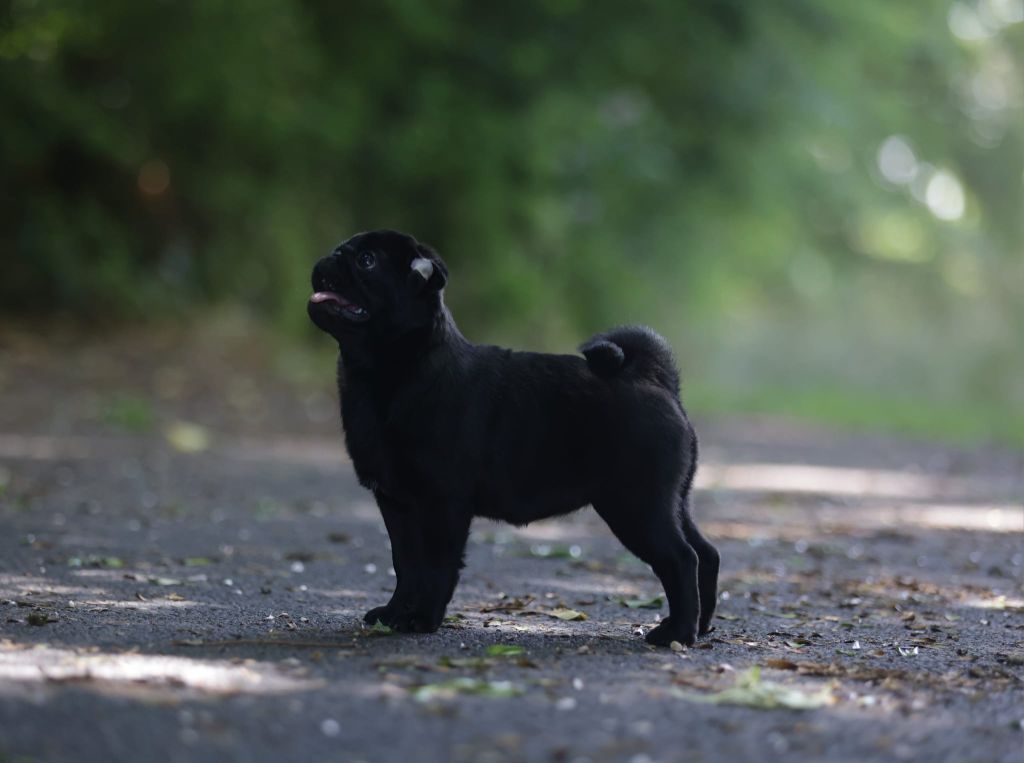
177	595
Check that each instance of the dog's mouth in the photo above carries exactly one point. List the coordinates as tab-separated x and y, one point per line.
334	301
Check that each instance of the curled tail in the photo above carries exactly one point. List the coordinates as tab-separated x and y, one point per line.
632	353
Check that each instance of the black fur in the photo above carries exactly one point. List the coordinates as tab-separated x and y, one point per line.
442	430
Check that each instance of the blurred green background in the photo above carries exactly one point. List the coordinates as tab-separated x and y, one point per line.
821	204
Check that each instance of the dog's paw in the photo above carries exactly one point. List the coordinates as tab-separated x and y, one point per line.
403	620
417	622
666	632
379	615
704	626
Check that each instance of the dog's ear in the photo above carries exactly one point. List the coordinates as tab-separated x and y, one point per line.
427	271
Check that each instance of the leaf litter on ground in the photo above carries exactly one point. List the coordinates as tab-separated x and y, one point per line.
563	613
654	602
103	562
504	650
164	581
187	437
503	653
464	685
515	604
750	690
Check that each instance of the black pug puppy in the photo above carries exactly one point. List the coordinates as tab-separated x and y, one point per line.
442	430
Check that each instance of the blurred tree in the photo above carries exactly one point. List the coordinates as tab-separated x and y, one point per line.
731	167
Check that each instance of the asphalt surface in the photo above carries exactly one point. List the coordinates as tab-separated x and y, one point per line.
191	594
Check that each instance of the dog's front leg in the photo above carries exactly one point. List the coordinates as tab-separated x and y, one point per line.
443	533
403	554
426	549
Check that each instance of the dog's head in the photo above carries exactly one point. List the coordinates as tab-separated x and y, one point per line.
377	286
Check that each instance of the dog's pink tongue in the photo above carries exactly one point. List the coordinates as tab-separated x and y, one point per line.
329	296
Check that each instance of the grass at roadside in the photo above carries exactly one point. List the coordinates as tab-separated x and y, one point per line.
960	423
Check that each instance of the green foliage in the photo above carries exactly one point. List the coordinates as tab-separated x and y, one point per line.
713	168
130	413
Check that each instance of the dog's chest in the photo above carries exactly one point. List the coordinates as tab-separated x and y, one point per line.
383	444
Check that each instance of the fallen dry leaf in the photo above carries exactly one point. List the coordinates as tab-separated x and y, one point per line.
567	614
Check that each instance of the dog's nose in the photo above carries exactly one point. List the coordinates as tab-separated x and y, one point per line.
322	270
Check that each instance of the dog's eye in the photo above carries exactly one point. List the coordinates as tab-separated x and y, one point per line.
366	260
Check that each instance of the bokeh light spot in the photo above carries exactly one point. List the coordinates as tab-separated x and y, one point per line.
966	24
896	160
1004	12
945	196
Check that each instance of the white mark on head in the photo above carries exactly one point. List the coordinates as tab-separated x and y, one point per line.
424	267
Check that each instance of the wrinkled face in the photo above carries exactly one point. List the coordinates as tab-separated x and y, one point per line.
376	285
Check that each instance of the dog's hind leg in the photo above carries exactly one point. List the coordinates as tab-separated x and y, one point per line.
707	555
651	531
707	568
